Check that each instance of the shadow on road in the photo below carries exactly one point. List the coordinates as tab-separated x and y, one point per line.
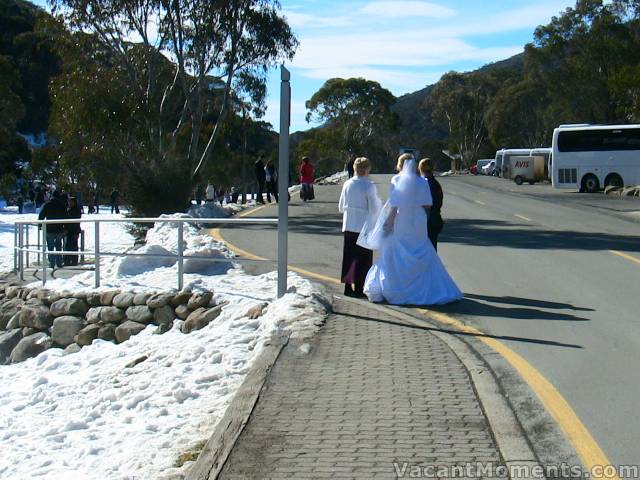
529	302
469	306
494	233
468	334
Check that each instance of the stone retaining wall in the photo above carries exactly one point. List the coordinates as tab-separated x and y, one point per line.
33	320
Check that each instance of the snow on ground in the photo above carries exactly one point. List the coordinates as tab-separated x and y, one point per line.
87	416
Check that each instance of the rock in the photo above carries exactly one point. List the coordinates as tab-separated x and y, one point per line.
12	291
33	293
24	293
50	298
135	362
163	328
36	316
93	299
128	329
105	315
106	298
182	312
200	318
73	348
8	309
112	315
159	300
181	298
107	332
123	300
87	335
164	315
256	311
141	298
8	342
65	329
26	331
140	314
199	299
14	322
69	307
30	346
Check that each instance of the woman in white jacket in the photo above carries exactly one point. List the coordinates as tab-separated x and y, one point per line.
359	201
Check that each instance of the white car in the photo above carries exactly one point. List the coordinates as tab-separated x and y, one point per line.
480	164
489	168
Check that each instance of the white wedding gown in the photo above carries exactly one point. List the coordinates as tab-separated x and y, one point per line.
408	270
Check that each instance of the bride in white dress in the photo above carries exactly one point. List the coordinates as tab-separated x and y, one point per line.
408	271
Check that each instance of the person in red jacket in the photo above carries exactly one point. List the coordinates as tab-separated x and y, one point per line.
306	180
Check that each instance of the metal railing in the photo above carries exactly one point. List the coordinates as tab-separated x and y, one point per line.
23	248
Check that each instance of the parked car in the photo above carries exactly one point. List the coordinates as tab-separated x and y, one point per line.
489	168
481	163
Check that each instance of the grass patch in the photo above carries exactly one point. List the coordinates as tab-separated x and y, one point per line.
190	455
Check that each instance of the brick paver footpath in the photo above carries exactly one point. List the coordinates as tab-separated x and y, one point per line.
371	392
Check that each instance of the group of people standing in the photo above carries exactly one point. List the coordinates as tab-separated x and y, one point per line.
404	231
61	236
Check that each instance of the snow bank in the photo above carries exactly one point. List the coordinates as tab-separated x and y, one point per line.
88	416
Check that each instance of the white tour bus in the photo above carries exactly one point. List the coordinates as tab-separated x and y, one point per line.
591	157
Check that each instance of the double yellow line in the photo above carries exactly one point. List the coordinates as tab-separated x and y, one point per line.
577	433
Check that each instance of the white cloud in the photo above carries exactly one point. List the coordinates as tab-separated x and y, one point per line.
305	20
404	9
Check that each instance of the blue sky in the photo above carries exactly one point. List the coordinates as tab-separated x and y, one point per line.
402	44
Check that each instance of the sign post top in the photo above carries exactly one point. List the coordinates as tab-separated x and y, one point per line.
285	75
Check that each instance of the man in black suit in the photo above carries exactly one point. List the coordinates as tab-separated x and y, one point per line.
435	223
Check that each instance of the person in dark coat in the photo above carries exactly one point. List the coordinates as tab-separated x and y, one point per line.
434	223
349	168
72	232
272	181
260	177
114	200
54	209
199	194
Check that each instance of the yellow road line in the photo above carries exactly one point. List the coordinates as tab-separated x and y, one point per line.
585	445
251	211
583	442
523	217
624	255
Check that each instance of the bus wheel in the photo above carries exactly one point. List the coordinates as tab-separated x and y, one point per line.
590	184
614	180
518	180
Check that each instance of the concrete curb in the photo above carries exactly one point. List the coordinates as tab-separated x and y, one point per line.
525	433
219	446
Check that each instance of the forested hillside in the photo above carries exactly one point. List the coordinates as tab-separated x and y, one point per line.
119	113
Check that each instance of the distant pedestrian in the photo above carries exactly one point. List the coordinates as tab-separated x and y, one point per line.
20	203
72	232
271	176
210	193
114	200
54	209
220	194
96	201
260	177
199	194
235	193
434	222
39	196
359	201
349	168
306	180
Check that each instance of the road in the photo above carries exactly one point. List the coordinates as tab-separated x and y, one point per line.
558	271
